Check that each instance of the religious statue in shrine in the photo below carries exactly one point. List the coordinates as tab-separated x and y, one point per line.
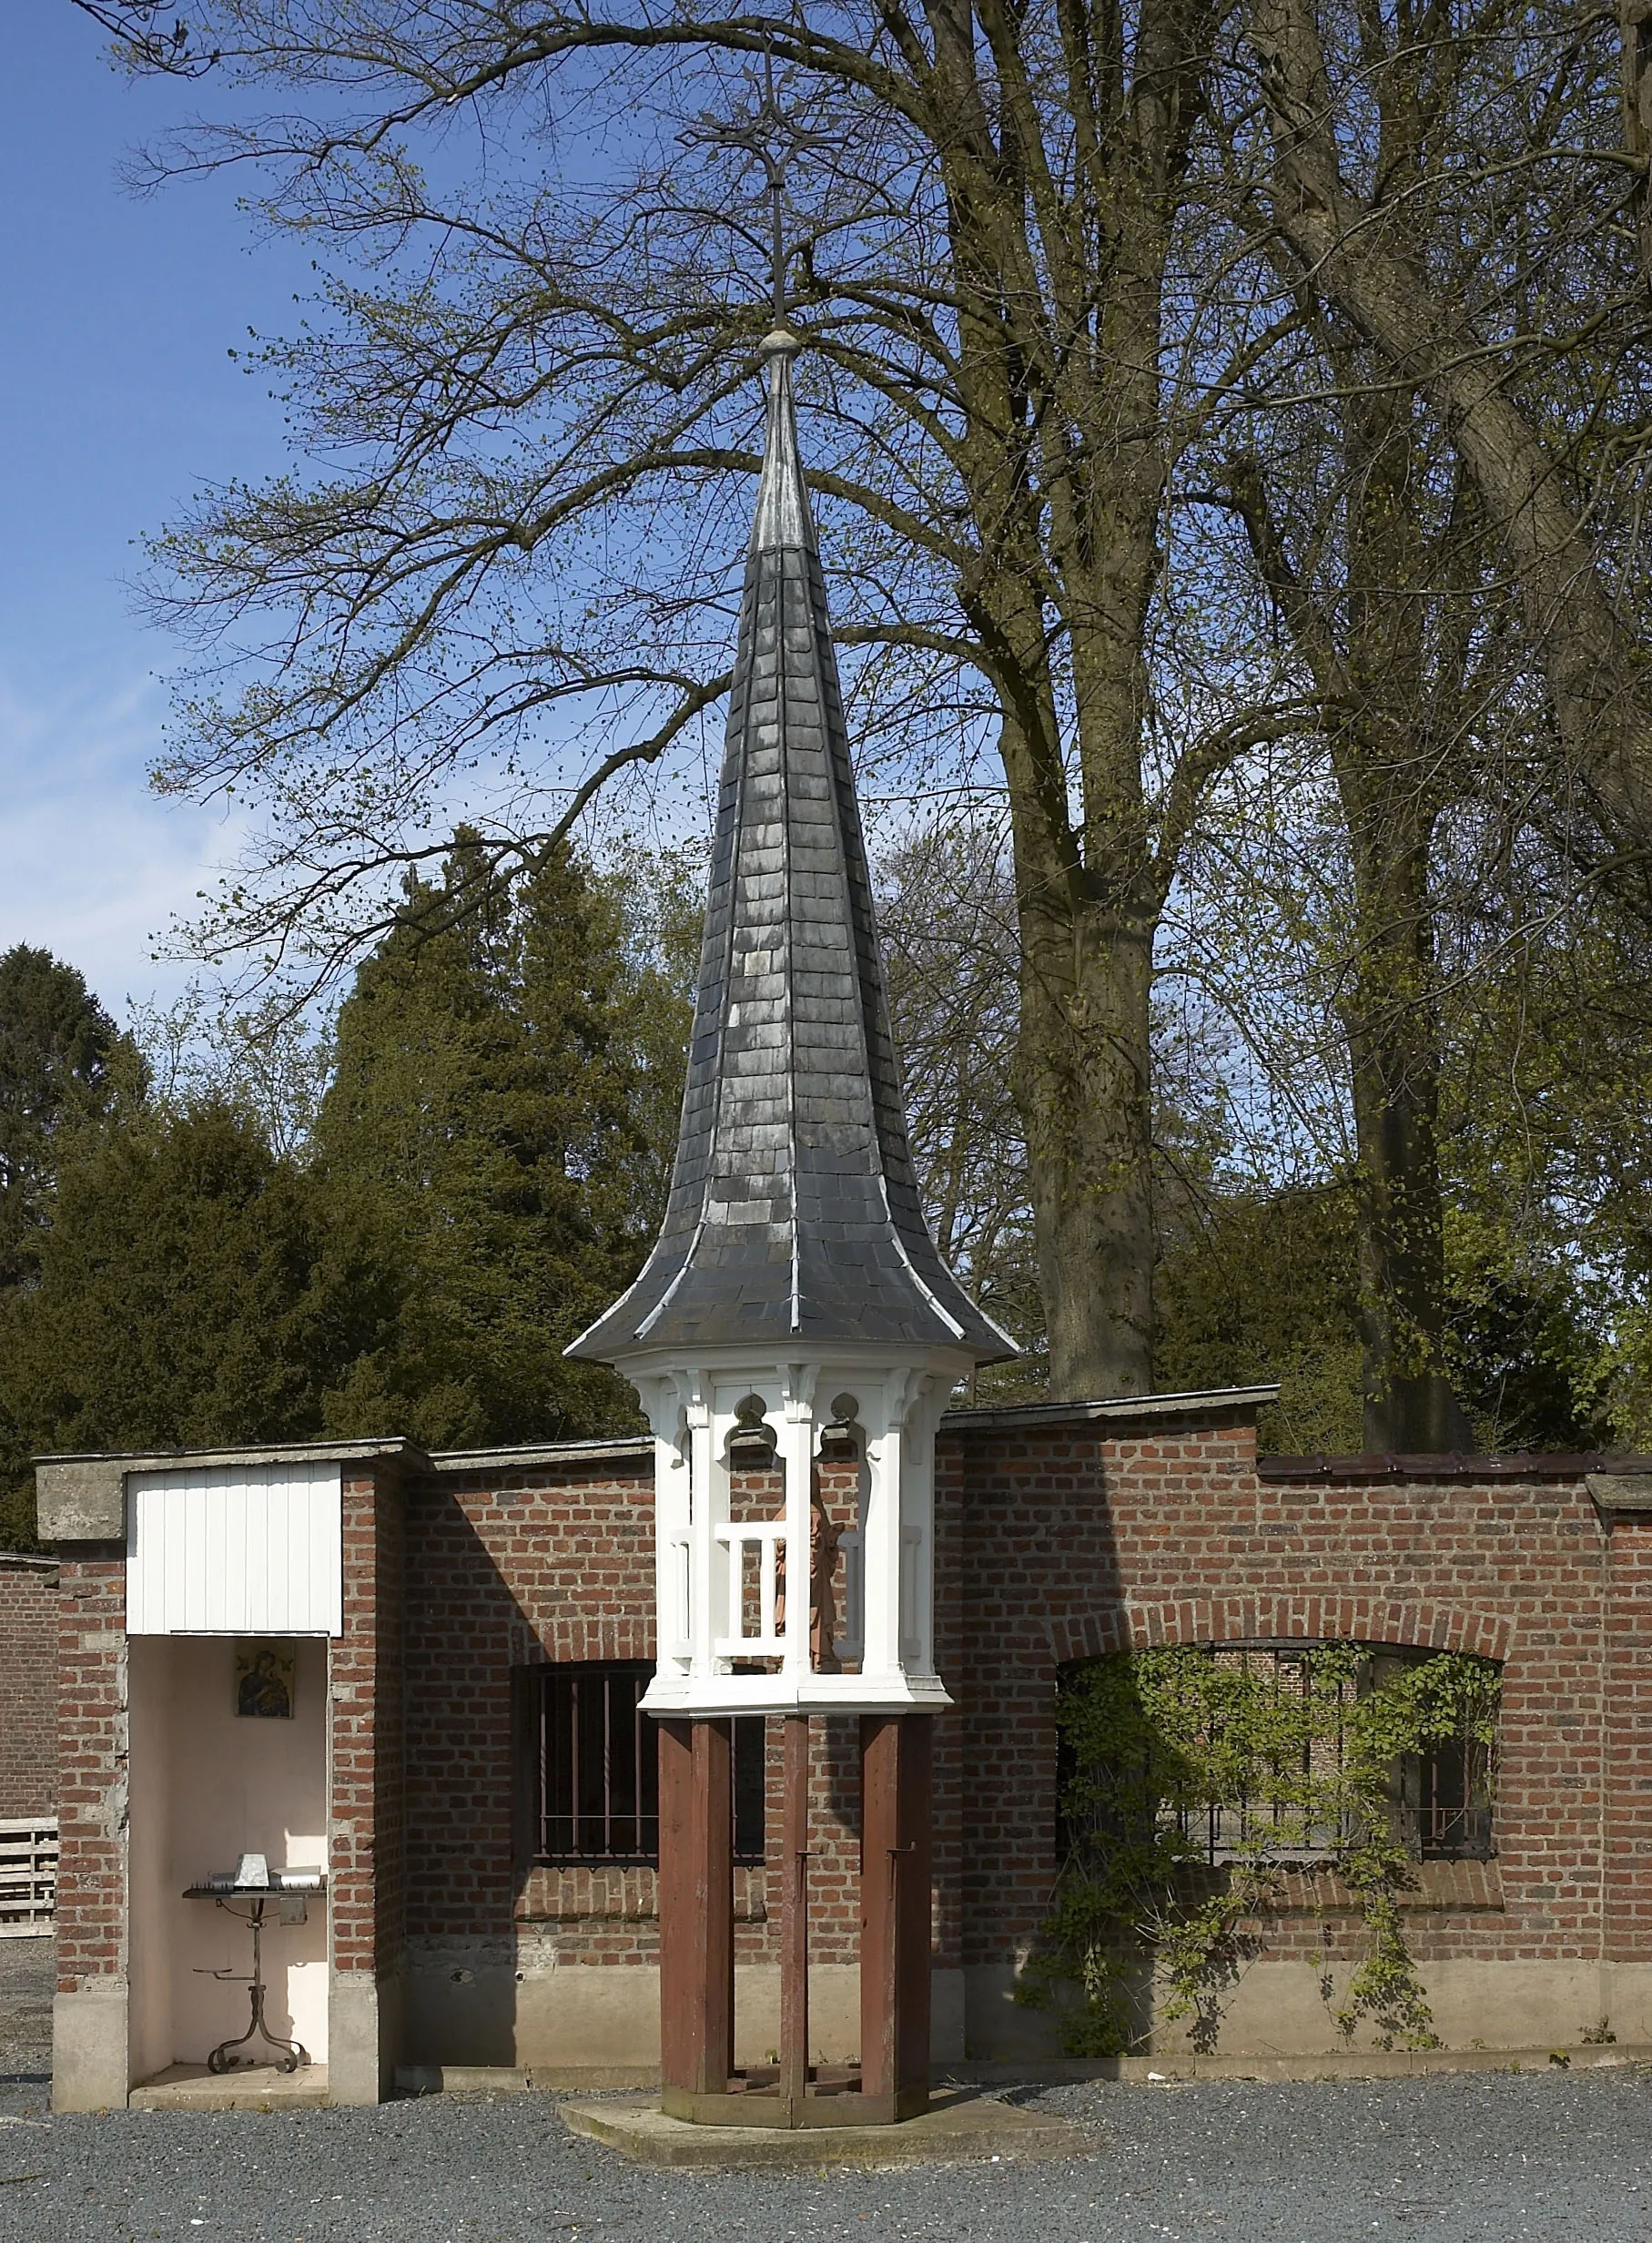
824	1535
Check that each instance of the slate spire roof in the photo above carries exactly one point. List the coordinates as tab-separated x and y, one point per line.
794	1215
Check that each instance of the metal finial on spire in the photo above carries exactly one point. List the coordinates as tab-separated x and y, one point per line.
770	135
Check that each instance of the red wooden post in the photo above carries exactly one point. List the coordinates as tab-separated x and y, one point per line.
794	1921
696	1900
895	1762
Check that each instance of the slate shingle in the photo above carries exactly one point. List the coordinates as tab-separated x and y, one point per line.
793	1148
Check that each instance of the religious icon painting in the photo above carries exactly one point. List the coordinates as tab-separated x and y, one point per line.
264	1677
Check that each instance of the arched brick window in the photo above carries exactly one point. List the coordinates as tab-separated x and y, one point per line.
1441	1800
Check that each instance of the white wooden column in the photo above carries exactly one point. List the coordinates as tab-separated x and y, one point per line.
797	1456
708	1508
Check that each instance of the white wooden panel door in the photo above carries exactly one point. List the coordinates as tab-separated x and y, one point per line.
235	1550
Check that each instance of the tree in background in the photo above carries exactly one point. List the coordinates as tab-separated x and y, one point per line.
504	1077
534	392
947	918
188	1290
1499	270
62	1060
482	1174
1062	262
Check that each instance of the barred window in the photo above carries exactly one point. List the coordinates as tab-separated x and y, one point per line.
1440	1799
595	1772
1270	1820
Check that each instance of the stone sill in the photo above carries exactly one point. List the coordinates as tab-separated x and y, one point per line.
620	1895
1442	1888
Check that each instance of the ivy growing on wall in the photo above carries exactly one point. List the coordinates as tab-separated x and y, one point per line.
1194	1781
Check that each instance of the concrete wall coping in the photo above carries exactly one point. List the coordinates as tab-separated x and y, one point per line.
25	1563
1205	1402
79	1491
273	1452
1623	1490
1213	1401
1557	1465
83	1498
545	1452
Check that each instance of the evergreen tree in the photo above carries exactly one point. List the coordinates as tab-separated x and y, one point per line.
61	1057
485	1170
189	1290
504	1079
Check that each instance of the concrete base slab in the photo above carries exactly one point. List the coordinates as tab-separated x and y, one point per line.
1344	2064
959	2128
521	2079
256	2087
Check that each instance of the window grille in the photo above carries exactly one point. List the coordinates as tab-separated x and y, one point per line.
596	1769
1448	1802
1441	1800
1272	1824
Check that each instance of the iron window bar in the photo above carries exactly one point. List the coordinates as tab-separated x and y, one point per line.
597	1772
1443	1798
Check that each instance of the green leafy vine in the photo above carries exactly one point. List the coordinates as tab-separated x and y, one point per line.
1194	1781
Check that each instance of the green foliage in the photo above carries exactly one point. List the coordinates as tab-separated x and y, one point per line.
62	1059
1156	1743
1254	1287
481	1177
502	1110
188	1291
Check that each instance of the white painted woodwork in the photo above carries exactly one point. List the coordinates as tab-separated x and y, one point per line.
767	1538
707	1563
235	1550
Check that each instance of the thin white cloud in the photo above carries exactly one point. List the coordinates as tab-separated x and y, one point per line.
94	867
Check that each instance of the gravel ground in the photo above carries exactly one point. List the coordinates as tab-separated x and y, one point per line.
1482	2158
26	1976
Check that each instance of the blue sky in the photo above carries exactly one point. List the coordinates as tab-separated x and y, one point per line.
118	398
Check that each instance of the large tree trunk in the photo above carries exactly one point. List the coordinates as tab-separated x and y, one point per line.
1058	274
1390	693
1393	1051
1082	1086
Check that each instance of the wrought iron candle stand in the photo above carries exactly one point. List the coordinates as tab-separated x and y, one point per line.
287	1886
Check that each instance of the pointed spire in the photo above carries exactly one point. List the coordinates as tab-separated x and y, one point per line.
794	1215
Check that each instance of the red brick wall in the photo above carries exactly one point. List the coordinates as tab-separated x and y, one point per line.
557	1563
1053	1544
1072	1547
505	1571
367	1863
1625	1729
92	1771
29	1686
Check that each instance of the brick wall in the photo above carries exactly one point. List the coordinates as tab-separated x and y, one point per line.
1058	1538
1625	1709
512	1569
92	1767
1073	1546
29	1686
1059	1542
506	1570
367	1688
